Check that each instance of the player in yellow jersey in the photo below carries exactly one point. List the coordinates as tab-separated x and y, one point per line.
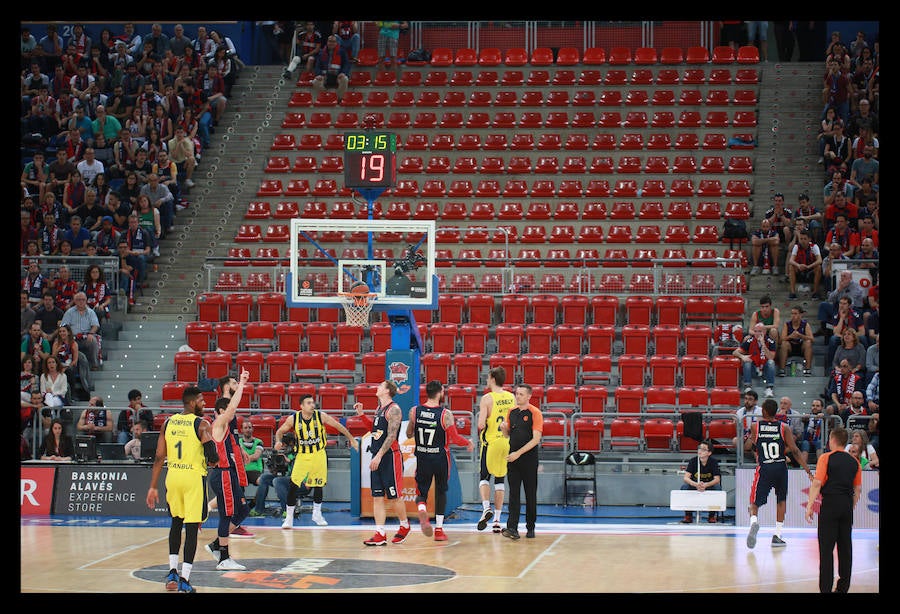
493	409
186	446
311	463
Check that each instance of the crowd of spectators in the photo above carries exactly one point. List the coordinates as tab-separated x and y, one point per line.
106	118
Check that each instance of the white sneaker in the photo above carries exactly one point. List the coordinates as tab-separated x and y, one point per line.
769	392
775	270
319	520
288	523
230	564
189	183
754	270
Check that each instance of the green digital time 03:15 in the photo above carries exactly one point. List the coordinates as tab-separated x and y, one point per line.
370	159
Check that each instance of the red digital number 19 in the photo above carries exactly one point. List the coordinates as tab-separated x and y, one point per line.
375	164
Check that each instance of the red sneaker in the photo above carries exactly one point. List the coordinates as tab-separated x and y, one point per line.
376	540
439	535
425	523
400	535
241	532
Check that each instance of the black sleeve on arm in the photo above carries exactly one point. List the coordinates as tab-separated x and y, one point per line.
209	448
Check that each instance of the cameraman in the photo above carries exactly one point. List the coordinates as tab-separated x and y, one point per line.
278	468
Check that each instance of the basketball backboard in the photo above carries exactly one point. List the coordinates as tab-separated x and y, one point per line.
395	258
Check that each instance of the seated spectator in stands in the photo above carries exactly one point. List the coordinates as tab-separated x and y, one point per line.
757	353
826	131
829	274
57	446
332	69
796	340
64	287
702	473
72	363
794	420
768	315
140	244
846	287
77	235
133	445
310	43
780	218
26	314
864	117
181	153
107	237
841	386
90	212
812	438
49	316
35	175
127	273
872	318
213	85
97	291
838	149
73	197
60	170
844	318
864	167
35	345
843	235
872	396
347	33
872	355
851	350
96	421
866	451
254	448
869	255
764	247
141	167
804	265
85	326
855	415
35	283
54	384
28	379
840	201
162	201
867	229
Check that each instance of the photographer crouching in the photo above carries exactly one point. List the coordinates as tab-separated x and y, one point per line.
278	465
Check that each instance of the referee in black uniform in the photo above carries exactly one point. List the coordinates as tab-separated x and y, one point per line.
524	426
839	478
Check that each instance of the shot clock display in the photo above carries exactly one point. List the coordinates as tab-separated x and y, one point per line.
370	159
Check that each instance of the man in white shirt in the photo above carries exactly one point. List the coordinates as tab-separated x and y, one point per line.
90	166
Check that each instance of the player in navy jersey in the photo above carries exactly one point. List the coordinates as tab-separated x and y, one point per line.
434	429
226	478
771	439
387	464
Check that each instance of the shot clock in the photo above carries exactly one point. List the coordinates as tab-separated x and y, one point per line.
370	159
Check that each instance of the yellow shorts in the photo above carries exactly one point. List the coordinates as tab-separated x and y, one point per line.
497	451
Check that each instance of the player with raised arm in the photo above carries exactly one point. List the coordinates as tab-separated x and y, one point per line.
225	480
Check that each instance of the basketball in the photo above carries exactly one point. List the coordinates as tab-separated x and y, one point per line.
359	287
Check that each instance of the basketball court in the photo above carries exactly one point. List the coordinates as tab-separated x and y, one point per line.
570	554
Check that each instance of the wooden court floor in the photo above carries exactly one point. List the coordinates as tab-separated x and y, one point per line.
564	558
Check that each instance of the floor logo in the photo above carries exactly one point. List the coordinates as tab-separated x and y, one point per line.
307	573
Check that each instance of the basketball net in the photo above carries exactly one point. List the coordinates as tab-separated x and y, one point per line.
357	308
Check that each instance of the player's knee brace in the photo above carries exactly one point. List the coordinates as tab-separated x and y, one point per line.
484	483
